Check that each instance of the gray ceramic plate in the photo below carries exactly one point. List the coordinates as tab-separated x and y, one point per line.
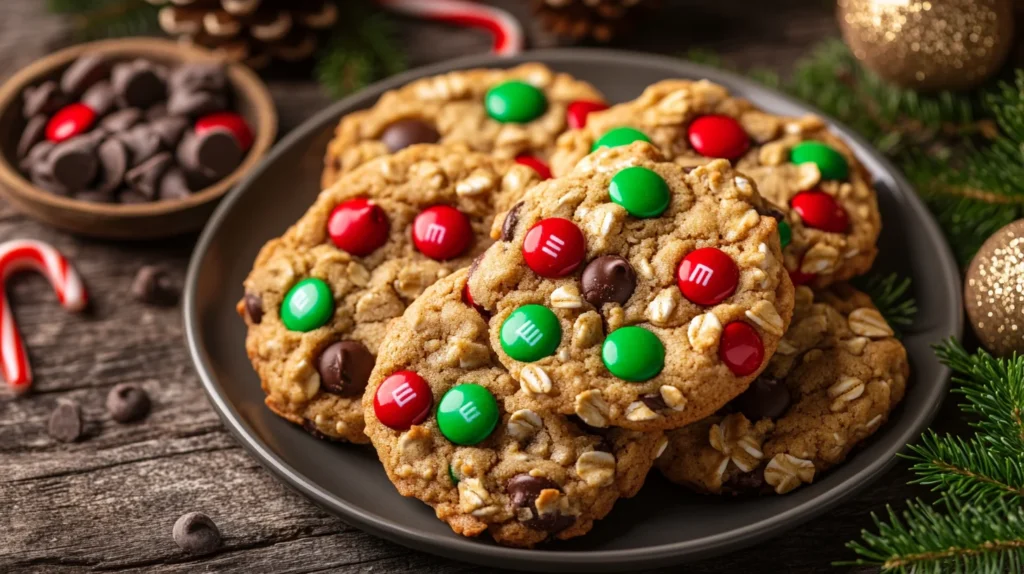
663	524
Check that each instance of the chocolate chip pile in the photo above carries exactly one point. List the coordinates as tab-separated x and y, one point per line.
131	131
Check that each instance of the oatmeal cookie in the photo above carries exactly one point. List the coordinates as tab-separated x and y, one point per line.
318	299
837	374
437	412
824	199
634	294
518	112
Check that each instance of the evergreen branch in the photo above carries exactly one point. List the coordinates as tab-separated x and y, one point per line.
360	51
95	19
893	297
968	469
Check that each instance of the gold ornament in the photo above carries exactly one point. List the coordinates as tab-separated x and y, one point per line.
994	291
929	44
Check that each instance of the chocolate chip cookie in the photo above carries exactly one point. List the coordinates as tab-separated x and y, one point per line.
832	383
437	411
318	299
823	198
634	293
513	113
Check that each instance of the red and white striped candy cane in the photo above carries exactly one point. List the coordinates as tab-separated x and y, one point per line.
25	254
508	34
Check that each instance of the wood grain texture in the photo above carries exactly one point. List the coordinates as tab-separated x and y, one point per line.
108	503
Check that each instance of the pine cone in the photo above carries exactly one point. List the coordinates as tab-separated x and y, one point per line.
601	20
250	31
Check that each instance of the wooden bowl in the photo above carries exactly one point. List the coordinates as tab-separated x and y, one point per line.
133	221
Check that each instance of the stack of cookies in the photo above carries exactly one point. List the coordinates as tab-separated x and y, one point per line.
525	300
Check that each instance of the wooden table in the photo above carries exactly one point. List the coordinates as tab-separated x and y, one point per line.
108	502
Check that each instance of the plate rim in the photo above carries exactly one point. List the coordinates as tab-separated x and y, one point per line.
472	550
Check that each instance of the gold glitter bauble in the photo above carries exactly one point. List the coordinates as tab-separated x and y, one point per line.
994	291
929	44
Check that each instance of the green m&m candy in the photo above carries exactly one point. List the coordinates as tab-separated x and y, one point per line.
785	233
515	102
619	136
307	306
467	414
530	333
831	163
641	191
633	354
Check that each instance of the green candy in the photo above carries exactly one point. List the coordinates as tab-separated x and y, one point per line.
831	163
467	414
515	102
451	475
641	191
633	354
785	233
530	333
309	305
619	136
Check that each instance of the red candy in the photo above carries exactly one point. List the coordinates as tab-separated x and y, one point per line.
70	121
740	348
231	122
707	276
718	136
577	112
821	211
798	277
536	164
402	400
358	226
441	232
554	247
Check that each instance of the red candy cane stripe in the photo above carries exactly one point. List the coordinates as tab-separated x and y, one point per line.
508	34
21	255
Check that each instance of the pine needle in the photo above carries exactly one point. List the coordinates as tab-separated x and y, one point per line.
893	297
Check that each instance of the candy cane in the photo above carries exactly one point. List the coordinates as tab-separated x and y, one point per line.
20	255
508	34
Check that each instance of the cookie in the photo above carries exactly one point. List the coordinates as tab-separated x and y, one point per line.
518	112
318	299
634	293
837	375
437	412
822	195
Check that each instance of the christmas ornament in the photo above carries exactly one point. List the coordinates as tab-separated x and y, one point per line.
994	291
601	20
929	44
508	34
251	31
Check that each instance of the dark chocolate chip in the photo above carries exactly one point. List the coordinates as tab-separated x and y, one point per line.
141	141
404	133
170	129
311	429
187	103
93	196
153	286
764	398
43	99
122	120
745	483
74	163
654	402
523	491
113	159
156	111
66	423
127	403
35	131
100	98
82	74
214	154
508	227
39	153
254	307
131	197
145	178
769	209
196	534
608	279
345	368
41	175
209	77
137	84
174	185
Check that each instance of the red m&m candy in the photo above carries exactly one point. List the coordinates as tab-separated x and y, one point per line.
718	136
230	122
536	164
441	232
740	348
577	112
70	121
707	276
358	226
821	211
554	247
798	277
402	400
